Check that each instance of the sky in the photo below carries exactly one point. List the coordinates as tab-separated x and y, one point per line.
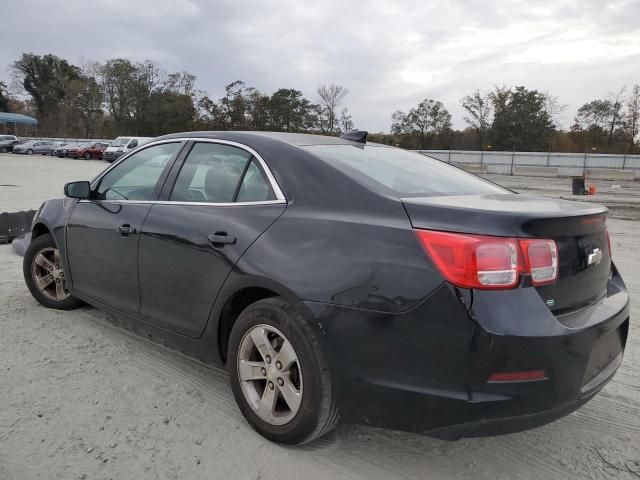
389	54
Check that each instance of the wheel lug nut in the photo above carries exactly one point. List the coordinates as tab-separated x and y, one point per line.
280	382
263	371
61	274
270	385
57	267
51	269
268	359
57	280
278	365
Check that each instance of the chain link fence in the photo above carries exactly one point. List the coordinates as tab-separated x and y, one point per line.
567	164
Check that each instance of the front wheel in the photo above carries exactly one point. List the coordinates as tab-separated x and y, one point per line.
29	152
5	149
87	156
278	373
44	274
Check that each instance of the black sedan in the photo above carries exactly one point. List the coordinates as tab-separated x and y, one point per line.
342	279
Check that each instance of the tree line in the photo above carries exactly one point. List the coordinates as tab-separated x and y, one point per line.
517	118
124	97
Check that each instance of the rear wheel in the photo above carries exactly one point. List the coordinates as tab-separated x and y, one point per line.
278	374
29	152
45	276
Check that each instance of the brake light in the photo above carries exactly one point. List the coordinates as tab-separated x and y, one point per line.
473	261
486	262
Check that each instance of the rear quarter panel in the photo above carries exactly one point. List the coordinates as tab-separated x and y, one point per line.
344	258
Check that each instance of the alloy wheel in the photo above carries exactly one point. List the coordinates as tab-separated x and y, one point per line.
48	274
270	375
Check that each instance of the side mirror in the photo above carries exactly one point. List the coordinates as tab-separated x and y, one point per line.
132	144
77	189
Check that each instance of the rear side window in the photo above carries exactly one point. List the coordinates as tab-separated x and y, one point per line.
218	173
403	173
254	187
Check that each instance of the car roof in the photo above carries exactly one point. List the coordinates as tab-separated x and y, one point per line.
297	139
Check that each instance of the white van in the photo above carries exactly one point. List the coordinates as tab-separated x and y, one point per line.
122	145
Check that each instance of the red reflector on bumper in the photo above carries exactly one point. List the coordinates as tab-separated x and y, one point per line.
526	376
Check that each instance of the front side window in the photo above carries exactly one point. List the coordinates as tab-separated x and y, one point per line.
217	173
136	177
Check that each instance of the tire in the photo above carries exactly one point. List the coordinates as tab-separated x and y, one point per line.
5	149
316	412
87	156
29	152
48	296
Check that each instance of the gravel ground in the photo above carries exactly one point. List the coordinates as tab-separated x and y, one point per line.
82	396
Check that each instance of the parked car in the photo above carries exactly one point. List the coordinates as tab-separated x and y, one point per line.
89	150
43	147
61	149
122	145
335	276
7	142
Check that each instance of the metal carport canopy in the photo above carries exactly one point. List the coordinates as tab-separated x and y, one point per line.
17	118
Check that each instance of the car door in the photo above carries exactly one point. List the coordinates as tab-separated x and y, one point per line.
103	231
221	200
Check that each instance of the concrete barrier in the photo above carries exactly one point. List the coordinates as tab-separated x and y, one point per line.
472	167
609	174
526	171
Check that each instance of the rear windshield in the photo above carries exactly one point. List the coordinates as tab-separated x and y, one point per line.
406	174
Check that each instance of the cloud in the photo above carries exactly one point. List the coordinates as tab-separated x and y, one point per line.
390	55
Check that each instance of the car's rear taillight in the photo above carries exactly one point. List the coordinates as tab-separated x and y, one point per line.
541	260
486	262
473	261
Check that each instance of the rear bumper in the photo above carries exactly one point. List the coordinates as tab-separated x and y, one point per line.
111	156
427	370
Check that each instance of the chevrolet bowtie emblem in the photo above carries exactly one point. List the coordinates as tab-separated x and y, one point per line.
595	257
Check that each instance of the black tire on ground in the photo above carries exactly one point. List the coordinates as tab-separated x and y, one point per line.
318	413
29	152
37	244
87	156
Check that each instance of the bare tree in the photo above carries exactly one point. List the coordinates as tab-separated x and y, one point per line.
479	108
615	118
346	122
632	113
330	98
554	108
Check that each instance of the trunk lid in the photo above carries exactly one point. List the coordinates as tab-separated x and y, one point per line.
578	228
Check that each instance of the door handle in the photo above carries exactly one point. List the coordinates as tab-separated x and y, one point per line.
220	239
126	229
